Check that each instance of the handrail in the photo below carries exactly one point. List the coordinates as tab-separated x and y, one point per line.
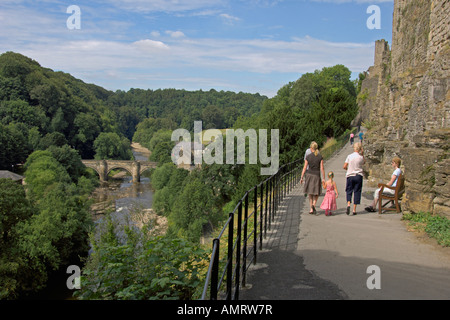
239	255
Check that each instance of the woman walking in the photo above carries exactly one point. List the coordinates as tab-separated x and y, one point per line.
313	183
353	164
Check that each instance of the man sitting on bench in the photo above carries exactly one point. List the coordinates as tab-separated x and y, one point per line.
396	162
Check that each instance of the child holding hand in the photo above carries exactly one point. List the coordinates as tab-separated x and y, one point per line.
329	201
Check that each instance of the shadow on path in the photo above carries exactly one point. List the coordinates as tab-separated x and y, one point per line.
279	273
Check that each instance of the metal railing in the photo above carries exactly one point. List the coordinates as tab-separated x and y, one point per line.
244	231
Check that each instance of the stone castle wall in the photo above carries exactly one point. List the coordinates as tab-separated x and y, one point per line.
405	103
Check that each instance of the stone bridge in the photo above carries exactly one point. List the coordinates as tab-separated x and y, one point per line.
104	167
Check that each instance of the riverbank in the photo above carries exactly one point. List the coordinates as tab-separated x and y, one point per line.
140	149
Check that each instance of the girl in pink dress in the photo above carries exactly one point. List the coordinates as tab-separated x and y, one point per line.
329	201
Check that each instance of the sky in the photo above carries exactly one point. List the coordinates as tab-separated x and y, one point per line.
254	46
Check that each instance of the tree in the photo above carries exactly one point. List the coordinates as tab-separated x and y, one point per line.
110	145
52	139
213	117
70	159
162	152
167	181
161	175
88	128
42	171
21	111
14	146
128	118
14	210
59	233
334	111
193	209
308	88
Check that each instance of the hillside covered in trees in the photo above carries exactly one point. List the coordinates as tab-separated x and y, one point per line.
40	108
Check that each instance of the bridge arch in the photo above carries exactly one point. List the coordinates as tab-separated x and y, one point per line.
118	167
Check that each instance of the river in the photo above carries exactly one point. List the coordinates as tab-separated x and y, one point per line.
119	196
119	193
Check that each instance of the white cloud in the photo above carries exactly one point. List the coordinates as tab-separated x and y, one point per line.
299	55
155	34
150	45
229	18
169	57
175	34
146	6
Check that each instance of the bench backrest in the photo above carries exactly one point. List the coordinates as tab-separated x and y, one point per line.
400	187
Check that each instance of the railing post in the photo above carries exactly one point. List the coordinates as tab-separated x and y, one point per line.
255	225
230	256
215	270
238	252
274	196
244	241
261	210
270	200
265	215
279	191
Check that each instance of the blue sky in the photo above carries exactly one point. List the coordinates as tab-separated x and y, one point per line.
236	45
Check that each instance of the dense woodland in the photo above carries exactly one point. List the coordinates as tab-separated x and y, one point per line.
50	121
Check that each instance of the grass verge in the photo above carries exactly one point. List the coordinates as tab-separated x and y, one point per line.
435	226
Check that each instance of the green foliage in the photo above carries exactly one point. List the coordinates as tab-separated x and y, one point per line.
435	226
69	159
42	172
58	233
21	111
48	227
14	210
110	145
334	111
193	209
161	147
142	268
14	145
167	181
318	105
51	102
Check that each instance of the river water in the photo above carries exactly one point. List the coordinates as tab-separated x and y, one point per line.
119	196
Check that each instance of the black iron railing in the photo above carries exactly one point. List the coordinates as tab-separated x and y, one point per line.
244	231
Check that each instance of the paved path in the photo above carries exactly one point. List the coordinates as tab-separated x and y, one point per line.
319	257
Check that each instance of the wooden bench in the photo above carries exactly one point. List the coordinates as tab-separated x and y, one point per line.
392	198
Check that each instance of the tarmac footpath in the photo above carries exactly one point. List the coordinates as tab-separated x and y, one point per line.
358	257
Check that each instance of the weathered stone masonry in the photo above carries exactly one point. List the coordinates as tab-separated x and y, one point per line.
405	101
